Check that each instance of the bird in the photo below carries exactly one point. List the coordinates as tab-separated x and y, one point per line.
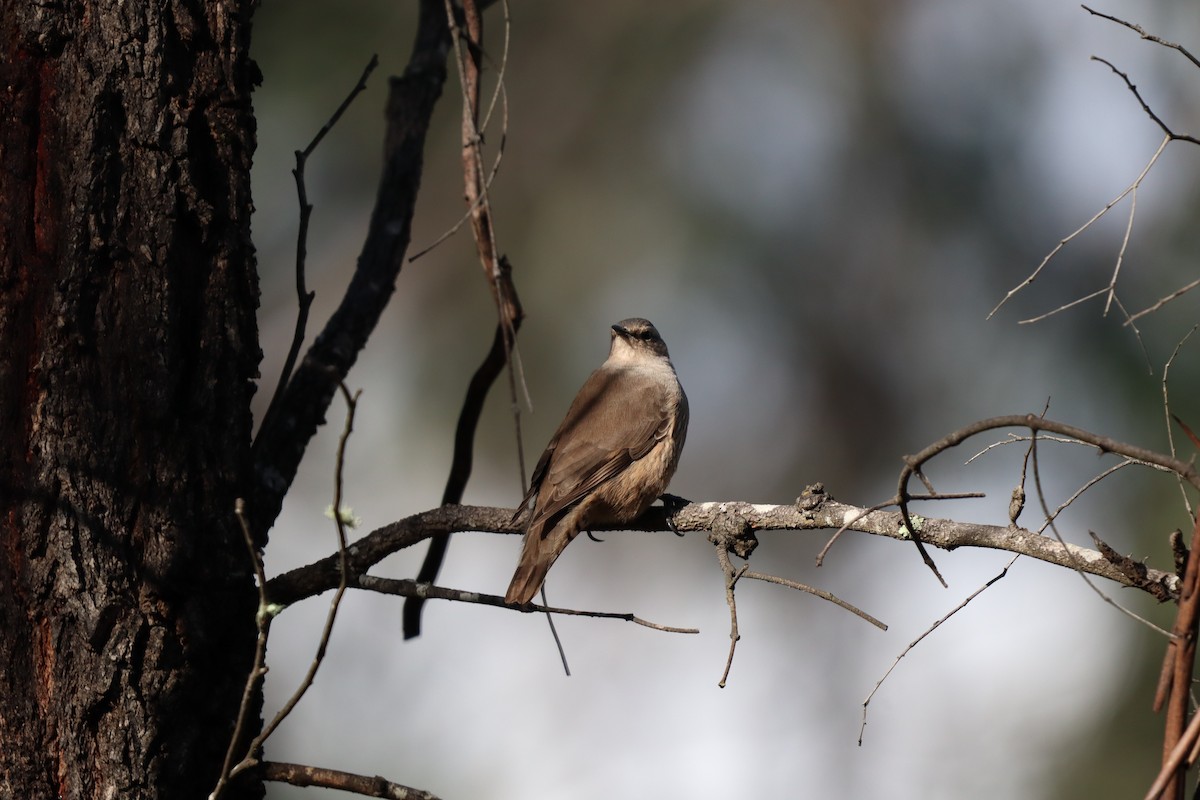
611	457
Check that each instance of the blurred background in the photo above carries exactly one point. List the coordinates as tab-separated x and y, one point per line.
817	203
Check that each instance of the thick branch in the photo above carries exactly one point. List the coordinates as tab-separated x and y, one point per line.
814	512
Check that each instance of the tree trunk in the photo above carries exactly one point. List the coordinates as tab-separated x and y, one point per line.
128	350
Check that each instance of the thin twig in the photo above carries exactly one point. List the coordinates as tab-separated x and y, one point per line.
1146	106
499	94
821	593
255	748
562	652
1065	241
304	297
1037	482
1147	36
1164	300
281	442
1079	492
408	588
918	640
731	578
1187	503
1064	307
498	272
1016	438
366	785
262	621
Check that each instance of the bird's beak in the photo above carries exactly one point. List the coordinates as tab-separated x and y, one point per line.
621	331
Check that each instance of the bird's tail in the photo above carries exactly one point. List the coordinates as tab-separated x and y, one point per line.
538	554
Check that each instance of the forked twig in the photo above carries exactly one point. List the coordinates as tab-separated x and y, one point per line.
743	546
1067	240
304	297
254	750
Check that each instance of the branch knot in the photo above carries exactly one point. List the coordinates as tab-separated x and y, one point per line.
732	530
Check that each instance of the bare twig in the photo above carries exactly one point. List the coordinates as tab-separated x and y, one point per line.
408	588
731	578
500	96
258	670
498	272
1147	36
1065	241
1187	503
1016	438
304	297
280	445
732	532
821	593
562	651
1171	135
1164	300
867	702
368	786
1037	482
255	749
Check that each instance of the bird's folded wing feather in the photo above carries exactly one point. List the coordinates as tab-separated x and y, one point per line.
604	431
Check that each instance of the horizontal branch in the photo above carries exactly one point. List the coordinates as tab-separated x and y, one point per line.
366	785
404	587
815	511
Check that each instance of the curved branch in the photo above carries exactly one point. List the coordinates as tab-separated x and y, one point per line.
1035	423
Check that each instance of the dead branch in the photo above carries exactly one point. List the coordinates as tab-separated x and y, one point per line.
912	645
279	446
1178	664
368	786
498	272
824	514
409	588
1034	423
304	298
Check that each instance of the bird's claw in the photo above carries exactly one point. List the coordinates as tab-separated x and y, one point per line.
672	504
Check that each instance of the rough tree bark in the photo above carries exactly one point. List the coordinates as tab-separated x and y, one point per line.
128	350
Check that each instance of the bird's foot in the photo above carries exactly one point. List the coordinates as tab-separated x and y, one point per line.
672	504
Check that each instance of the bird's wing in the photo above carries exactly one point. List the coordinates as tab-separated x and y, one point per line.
607	428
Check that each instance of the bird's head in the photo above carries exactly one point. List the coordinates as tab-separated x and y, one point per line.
636	338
